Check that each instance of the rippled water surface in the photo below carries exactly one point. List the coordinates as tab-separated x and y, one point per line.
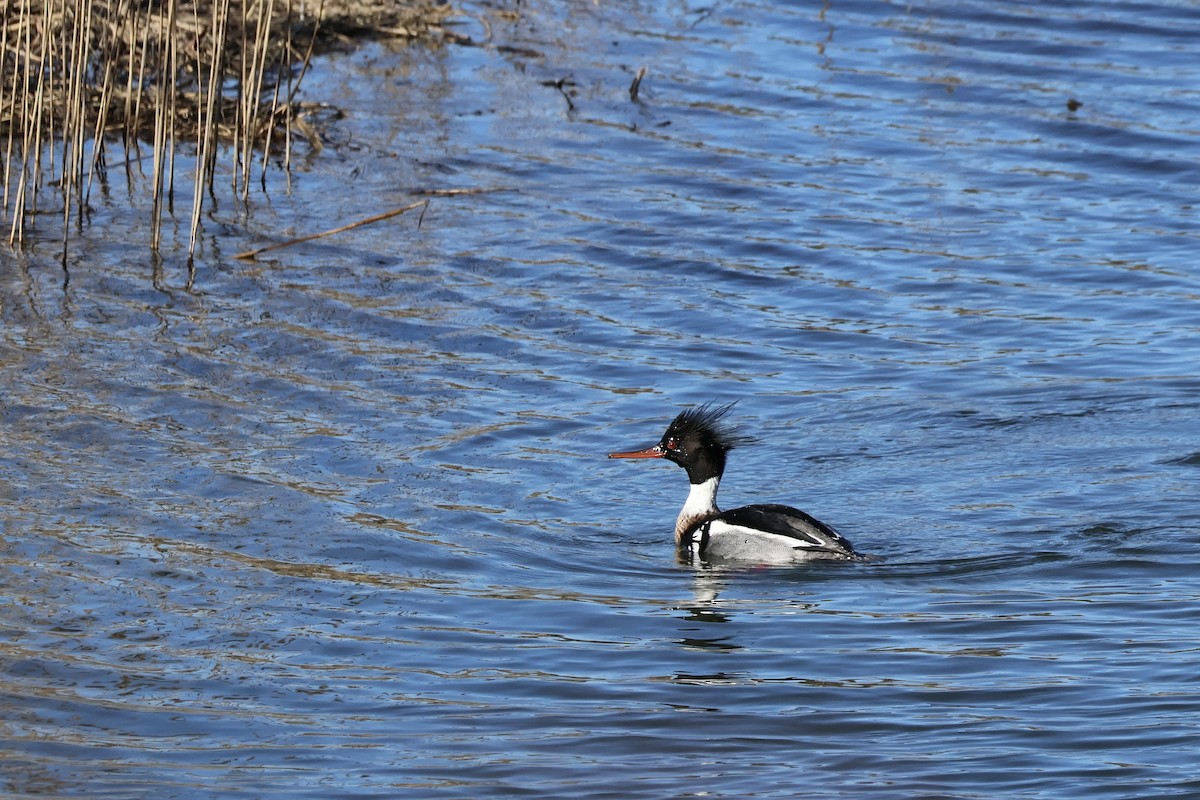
338	522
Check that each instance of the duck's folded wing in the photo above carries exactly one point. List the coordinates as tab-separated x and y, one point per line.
807	532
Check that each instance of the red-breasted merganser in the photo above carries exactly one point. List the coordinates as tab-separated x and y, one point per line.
698	441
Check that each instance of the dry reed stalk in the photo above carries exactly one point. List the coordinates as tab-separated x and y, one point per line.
250	255
73	118
163	137
252	90
97	131
206	134
8	111
74	73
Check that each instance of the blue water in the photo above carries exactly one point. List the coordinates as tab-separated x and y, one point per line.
338	522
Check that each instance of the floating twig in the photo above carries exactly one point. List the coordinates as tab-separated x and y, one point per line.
637	83
457	192
395	212
560	84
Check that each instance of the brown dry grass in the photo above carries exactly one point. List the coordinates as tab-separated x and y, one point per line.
162	74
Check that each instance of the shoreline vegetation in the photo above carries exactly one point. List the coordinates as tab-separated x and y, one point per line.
159	77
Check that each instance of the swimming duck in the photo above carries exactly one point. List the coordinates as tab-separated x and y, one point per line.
699	441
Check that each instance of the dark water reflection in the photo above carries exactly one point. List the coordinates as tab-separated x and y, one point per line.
336	523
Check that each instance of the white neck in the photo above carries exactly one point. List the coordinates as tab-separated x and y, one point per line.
701	502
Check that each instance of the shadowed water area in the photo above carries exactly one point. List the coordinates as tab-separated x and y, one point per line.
338	522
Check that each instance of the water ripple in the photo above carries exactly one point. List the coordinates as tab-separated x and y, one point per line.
343	519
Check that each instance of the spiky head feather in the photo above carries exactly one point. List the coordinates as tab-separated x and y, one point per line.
706	424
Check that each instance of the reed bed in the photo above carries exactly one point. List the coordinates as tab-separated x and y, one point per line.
214	78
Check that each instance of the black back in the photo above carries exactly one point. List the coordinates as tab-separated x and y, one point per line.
808	531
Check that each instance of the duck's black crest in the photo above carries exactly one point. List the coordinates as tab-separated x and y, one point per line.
707	422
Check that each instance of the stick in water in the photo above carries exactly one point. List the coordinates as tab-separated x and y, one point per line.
250	254
637	84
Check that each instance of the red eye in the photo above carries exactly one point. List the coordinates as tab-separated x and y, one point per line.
672	444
